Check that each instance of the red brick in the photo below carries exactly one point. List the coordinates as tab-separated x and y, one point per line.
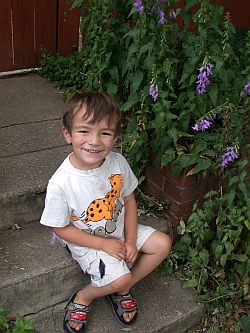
181	180
175	219
155	191
181	208
155	177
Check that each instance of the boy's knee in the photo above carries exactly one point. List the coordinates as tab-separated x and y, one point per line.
164	244
122	282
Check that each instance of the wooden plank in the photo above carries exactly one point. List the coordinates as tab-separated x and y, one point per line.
45	27
6	56
68	29
23	28
239	12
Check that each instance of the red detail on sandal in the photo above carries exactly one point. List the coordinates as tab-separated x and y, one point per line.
129	304
79	315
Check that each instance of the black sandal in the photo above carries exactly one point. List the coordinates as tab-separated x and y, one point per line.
77	313
123	304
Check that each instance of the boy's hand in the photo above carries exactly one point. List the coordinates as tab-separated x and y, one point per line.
115	248
132	251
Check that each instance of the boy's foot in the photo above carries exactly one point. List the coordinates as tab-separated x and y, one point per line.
76	315
124	307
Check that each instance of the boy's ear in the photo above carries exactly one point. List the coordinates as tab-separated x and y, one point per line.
66	135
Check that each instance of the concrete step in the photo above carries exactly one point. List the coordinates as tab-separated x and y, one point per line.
37	278
164	306
31	146
23	181
34	273
40	273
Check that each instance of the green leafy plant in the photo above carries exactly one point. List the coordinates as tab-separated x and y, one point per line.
171	69
213	252
19	325
181	76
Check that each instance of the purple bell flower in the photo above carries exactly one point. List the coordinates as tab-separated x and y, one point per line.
139	6
203	81
229	156
153	91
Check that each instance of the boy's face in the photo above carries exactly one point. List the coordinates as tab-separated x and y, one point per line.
91	142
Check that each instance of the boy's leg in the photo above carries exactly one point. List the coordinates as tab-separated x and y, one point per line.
86	295
155	249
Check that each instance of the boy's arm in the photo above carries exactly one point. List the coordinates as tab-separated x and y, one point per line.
112	246
130	226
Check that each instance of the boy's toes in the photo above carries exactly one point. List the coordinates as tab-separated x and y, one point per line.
75	326
128	316
76	315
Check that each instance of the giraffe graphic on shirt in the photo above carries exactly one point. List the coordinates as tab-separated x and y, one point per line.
105	208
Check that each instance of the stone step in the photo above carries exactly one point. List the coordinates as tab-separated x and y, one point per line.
34	273
40	273
38	277
31	145
164	306
23	181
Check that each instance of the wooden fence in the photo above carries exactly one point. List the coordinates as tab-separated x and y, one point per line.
29	25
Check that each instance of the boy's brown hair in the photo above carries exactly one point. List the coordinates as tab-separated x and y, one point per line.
98	106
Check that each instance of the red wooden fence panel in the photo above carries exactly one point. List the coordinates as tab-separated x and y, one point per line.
45	27
239	11
28	25
6	62
23	33
68	29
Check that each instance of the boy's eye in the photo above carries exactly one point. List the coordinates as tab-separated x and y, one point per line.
83	131
106	133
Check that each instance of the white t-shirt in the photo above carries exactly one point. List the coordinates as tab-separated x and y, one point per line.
91	200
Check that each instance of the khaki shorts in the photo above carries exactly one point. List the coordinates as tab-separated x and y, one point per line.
102	267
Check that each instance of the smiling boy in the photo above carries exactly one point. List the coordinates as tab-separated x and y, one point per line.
90	204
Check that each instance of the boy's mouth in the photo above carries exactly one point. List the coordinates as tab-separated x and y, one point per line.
92	151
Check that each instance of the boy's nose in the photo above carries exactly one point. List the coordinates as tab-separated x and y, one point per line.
94	139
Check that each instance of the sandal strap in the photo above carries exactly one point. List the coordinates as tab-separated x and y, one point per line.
77	313
125	303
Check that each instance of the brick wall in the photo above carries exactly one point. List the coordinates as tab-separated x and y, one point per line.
182	191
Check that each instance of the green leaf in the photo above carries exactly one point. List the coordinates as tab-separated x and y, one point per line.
131	102
247	224
190	283
136	81
168	156
243	188
114	74
173	134
112	89
204	255
223	259
213	92
240	257
201	165
245	323
187	159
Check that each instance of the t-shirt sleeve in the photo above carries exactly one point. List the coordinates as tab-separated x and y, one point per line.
130	181
56	211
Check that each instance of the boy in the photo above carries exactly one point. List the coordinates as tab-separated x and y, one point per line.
91	206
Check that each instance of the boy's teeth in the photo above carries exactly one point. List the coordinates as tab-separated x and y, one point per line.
92	151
